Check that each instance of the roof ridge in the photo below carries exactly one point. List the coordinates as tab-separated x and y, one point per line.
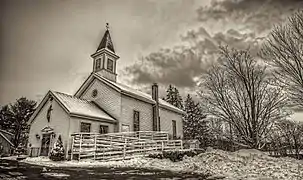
71	96
120	84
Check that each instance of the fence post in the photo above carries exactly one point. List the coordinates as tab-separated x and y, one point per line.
125	141
80	147
95	146
181	144
162	145
103	152
72	150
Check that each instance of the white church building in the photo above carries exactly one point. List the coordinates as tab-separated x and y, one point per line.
100	105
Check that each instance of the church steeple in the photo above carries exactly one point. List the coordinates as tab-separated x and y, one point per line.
106	41
105	58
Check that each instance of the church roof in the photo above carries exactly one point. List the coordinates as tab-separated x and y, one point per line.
82	107
75	107
132	93
106	42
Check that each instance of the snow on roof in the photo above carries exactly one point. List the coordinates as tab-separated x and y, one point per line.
133	92
81	106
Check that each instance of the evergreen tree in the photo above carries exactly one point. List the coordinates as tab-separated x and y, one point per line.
5	115
169	94
178	99
173	97
57	153
14	118
195	125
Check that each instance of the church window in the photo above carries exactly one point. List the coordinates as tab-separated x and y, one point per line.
174	124
159	123
94	93
125	128
110	65
85	127
136	120
103	129
98	64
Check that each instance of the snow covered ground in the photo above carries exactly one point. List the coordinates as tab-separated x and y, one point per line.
243	164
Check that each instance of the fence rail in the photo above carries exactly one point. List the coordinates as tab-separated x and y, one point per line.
120	145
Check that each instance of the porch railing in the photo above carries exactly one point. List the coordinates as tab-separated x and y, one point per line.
120	145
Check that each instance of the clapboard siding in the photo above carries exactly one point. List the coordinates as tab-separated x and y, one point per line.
166	118
107	98
95	125
129	105
59	122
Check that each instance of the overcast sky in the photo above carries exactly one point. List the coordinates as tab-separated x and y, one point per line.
47	44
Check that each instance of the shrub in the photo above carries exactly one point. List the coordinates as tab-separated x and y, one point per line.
157	155
57	153
176	155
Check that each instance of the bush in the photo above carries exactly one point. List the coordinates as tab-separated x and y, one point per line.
176	155
57	153
157	155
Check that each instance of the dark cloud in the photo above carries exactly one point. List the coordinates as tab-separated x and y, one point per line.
167	67
240	24
181	65
257	15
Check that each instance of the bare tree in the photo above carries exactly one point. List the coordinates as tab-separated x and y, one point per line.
284	51
239	91
291	134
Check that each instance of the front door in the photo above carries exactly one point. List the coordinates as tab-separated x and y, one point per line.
45	144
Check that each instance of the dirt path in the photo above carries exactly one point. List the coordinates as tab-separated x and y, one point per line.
9	170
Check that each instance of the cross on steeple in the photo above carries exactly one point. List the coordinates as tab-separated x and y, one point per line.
107	26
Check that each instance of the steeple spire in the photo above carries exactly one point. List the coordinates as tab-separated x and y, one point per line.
106	41
105	58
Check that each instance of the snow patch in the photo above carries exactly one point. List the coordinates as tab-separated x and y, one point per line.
243	164
9	158
60	175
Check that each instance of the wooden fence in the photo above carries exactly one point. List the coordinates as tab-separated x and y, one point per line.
120	145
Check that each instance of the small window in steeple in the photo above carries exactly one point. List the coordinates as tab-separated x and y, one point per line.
98	64
110	65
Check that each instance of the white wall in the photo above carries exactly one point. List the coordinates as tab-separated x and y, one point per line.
297	116
107	98
128	106
121	107
62	124
95	125
59	122
166	118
